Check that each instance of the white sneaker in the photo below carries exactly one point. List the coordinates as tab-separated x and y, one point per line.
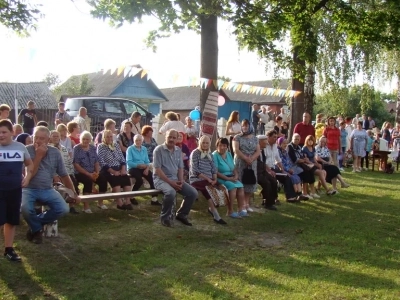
341	169
308	196
87	211
102	206
154	198
249	209
345	185
316	196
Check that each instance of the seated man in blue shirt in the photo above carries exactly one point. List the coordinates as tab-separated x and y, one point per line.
47	162
168	177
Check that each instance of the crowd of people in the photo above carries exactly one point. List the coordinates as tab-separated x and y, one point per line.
33	157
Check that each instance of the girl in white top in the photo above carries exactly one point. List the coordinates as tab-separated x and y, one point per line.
233	127
64	139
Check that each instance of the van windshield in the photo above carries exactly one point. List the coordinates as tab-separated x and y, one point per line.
72	104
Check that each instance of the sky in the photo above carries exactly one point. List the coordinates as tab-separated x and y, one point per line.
69	42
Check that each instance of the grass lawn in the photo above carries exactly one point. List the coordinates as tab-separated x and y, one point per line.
341	247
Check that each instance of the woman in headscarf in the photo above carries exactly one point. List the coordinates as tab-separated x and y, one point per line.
247	150
24	138
203	173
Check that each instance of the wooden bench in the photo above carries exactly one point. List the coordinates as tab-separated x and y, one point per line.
130	194
51	230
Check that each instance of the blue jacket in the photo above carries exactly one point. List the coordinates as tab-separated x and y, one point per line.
135	157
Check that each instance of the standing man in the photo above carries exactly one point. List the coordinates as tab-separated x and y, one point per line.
355	121
284	115
47	162
62	116
264	119
371	123
365	122
135	119
4	111
255	117
29	116
304	128
168	177
83	120
12	157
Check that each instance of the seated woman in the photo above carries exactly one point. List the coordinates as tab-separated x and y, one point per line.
138	166
323	156
87	169
125	138
289	166
185	154
73	133
203	173
228	175
17	130
148	141
297	157
316	168
113	166
24	138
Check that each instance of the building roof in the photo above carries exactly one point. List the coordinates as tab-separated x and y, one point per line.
184	98
35	91
115	85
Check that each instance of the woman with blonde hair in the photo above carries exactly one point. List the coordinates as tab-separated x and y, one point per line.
233	128
64	139
203	172
113	166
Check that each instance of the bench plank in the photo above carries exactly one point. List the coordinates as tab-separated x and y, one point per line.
94	197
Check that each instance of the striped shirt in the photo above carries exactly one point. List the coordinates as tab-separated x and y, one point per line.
201	165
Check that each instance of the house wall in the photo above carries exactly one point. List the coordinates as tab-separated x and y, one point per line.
244	109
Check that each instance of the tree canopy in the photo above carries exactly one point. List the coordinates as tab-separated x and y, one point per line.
18	15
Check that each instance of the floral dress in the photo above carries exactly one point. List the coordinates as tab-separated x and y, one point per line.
359	142
248	146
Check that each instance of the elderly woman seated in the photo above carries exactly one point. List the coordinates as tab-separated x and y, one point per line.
323	156
308	151
113	166
87	169
202	173
139	165
292	169
228	175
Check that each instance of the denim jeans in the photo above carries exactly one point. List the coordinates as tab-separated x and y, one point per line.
51	198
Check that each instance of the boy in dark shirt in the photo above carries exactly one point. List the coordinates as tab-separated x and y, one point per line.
29	117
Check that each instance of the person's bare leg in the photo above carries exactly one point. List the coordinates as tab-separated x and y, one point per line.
232	196
240	199
9	234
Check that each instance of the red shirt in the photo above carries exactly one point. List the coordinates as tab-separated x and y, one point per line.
304	130
332	138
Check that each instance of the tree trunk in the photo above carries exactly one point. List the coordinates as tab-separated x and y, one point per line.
297	105
208	60
398	100
309	86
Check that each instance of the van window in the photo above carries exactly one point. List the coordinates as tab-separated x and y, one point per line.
73	104
131	107
96	105
113	107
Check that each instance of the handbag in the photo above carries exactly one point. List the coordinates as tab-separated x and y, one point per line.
306	167
67	194
248	176
219	194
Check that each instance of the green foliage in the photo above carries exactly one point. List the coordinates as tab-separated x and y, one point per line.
355	100
52	80
75	86
173	16
224	78
18	15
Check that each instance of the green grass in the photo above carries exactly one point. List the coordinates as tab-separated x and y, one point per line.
341	247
